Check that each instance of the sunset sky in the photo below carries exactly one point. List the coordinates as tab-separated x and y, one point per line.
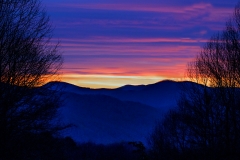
110	43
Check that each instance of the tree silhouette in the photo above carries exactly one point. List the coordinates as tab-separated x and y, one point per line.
206	121
28	59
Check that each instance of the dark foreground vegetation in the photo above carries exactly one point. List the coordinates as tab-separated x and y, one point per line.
27	60
204	125
46	147
206	122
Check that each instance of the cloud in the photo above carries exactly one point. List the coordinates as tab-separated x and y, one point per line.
120	40
185	12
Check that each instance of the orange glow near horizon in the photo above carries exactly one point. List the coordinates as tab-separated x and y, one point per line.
111	66
123	76
108	44
108	81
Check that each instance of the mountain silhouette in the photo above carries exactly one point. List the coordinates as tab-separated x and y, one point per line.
127	113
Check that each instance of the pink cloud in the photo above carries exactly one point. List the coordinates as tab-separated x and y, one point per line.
136	55
168	60
96	39
172	71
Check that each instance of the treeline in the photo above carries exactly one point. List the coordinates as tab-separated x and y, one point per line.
45	146
200	127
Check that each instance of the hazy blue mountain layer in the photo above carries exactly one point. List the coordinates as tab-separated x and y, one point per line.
128	113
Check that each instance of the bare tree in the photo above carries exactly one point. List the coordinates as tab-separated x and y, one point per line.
28	59
218	66
208	115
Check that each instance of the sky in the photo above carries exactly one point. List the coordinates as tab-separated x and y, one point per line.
111	43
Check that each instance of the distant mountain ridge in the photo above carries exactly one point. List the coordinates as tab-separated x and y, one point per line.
160	95
127	113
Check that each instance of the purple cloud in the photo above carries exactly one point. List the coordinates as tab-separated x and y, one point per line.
134	38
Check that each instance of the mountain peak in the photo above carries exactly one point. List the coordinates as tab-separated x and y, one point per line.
129	87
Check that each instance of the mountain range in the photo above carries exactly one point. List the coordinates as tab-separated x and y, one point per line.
127	113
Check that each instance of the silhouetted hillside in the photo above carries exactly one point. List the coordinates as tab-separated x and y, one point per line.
128	113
